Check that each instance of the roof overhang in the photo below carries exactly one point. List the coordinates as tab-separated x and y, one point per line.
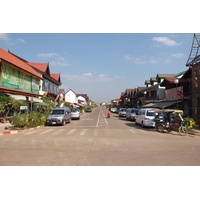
21	97
161	105
18	92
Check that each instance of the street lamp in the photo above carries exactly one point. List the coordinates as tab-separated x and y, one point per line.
176	81
145	92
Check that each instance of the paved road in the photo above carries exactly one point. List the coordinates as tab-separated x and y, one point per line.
97	141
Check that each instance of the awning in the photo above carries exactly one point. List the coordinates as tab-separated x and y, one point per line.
21	97
41	104
161	105
35	100
78	104
17	97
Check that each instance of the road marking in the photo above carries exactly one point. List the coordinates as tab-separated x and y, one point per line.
83	132
71	131
42	133
57	132
28	133
143	131
98	118
95	132
131	130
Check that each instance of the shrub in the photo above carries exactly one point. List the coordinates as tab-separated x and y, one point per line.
32	119
189	122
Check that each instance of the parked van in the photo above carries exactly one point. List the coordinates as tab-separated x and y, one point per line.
145	117
60	115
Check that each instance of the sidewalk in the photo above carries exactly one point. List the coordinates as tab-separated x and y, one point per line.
197	131
3	126
4	131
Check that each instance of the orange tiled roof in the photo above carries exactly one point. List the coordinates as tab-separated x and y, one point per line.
40	66
56	77
4	55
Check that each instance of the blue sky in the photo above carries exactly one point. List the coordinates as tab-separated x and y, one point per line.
103	65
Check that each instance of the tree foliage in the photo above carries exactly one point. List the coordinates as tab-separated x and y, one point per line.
9	104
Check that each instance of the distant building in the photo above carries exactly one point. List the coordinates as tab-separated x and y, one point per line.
70	96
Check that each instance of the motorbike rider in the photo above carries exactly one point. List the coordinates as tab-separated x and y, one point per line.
108	113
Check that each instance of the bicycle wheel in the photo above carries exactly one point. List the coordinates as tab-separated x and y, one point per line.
182	130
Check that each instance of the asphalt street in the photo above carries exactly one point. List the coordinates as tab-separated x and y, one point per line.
95	140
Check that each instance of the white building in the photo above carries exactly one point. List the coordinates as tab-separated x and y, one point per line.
81	100
70	96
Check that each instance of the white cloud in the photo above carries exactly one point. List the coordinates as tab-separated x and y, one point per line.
56	63
103	77
177	55
166	61
128	57
136	60
61	58
154	60
47	55
145	59
166	41
87	74
4	36
88	77
78	77
21	40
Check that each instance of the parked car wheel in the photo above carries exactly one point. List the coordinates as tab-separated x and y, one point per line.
143	125
63	122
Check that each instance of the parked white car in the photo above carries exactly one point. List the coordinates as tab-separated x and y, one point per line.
145	117
114	110
75	113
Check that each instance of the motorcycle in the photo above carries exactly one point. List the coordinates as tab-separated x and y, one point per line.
108	116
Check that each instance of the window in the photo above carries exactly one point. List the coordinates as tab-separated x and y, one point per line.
150	113
57	112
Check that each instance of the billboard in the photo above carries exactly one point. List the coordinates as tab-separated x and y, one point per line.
9	77
19	80
173	94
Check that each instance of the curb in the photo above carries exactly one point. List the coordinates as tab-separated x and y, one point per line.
18	131
192	133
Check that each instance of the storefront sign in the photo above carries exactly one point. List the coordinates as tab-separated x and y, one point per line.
19	80
9	77
23	107
172	94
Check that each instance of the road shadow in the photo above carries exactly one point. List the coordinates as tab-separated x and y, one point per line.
139	127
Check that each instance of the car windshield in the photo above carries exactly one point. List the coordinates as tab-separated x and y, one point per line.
74	110
150	113
134	111
123	110
57	112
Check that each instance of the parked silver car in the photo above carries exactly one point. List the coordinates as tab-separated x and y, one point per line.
122	112
60	115
114	110
75	113
131	113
